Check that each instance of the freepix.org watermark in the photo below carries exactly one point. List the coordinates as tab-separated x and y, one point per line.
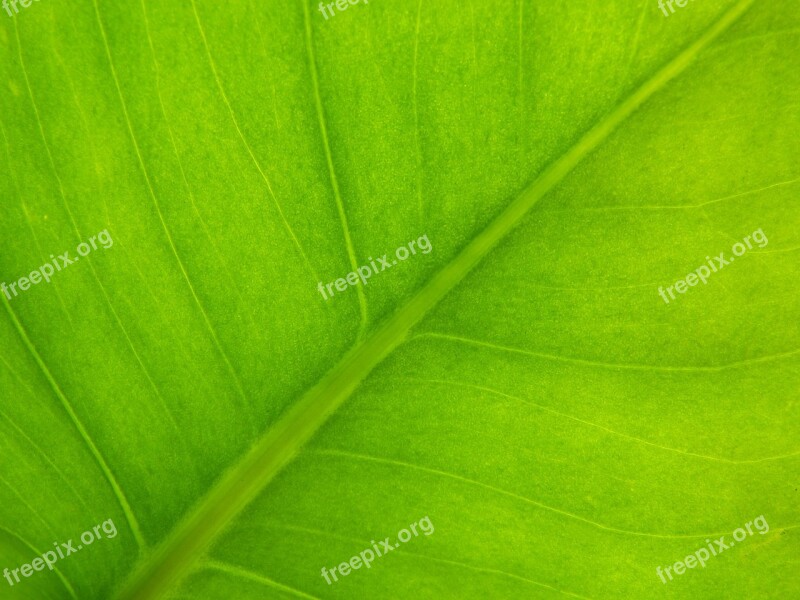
9	4
340	5
365	557
718	263
62	550
714	548
47	270
669	3
363	273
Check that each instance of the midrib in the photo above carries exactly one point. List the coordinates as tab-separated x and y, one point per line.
244	481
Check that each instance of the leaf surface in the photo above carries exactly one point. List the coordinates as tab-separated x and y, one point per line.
522	384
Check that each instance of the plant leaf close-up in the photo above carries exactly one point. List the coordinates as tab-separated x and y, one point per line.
399	298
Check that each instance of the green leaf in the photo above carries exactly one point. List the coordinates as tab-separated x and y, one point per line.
528	394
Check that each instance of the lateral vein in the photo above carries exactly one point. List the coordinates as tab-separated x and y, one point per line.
323	126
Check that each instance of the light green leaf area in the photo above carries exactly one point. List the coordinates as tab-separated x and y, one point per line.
523	384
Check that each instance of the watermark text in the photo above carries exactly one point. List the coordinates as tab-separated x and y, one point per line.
365	557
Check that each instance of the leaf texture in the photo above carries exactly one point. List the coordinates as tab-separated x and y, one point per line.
522	383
